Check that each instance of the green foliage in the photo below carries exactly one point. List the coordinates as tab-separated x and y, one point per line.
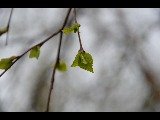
61	66
73	28
2	31
35	52
84	60
7	62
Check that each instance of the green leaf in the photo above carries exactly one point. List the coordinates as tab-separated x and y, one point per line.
61	66
35	52
72	29
4	30
7	62
67	31
75	27
83	60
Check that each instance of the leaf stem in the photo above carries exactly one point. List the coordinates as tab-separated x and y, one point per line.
79	36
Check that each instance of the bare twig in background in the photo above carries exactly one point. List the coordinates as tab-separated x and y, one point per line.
7	28
8	25
132	43
152	81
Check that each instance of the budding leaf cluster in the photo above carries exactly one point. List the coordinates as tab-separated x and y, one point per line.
72	29
83	59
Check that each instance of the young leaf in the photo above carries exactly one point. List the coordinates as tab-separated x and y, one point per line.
73	28
35	52
84	60
61	66
4	30
67	31
7	62
76	27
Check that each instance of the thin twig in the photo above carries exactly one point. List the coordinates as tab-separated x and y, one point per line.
53	74
39	44
57	62
6	29
8	25
79	36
